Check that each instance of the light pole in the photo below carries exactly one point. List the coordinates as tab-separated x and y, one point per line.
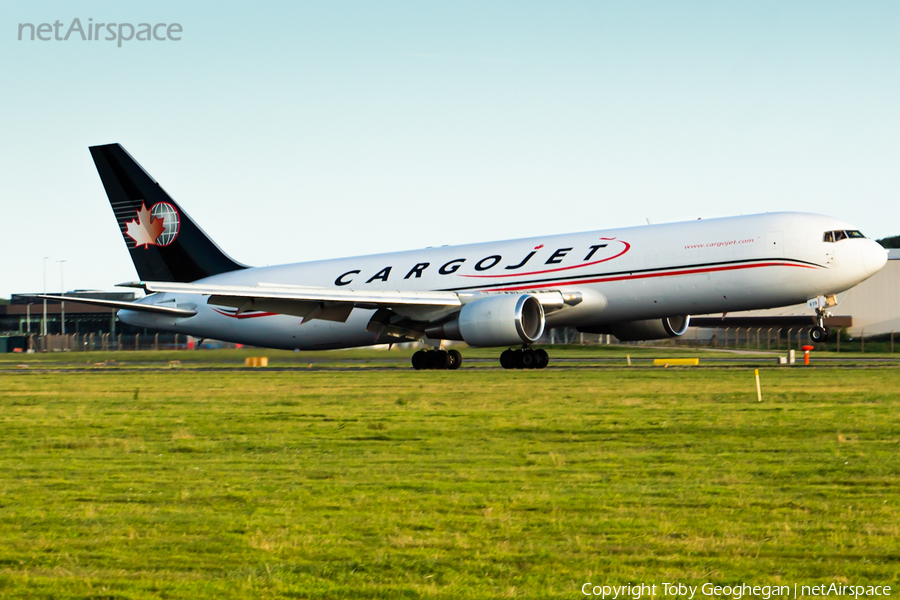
62	304
44	320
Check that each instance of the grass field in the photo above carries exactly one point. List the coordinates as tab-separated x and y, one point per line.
480	483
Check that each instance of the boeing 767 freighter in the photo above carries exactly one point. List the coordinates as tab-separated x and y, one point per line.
636	283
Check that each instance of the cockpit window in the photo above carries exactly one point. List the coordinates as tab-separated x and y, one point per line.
836	236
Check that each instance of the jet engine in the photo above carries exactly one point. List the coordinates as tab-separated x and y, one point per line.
651	329
500	320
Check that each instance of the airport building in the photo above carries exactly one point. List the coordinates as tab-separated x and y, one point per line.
74	326
25	315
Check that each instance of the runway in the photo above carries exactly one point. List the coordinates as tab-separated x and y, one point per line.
379	364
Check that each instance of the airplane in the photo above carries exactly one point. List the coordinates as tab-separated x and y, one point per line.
636	283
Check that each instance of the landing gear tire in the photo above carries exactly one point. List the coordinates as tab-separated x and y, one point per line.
440	360
528	360
818	334
524	359
517	359
436	359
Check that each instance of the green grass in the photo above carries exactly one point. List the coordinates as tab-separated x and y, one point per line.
468	484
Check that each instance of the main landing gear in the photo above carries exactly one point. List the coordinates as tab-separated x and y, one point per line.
819	333
520	358
524	358
436	359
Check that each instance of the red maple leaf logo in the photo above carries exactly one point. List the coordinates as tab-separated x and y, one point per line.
145	228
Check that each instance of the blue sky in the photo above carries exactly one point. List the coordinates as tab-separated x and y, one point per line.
300	131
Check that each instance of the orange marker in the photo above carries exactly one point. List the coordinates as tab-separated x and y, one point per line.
806	350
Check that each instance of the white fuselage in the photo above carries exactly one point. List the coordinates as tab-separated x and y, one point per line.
629	274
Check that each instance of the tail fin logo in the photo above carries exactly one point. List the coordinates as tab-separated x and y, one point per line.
157	226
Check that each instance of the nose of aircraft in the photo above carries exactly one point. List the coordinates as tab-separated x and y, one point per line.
874	257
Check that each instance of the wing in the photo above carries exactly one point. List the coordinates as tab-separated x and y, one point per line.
314	303
276	291
398	313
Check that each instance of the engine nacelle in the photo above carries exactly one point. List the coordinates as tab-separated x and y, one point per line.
651	329
501	320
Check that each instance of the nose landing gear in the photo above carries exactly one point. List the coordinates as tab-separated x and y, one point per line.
819	333
525	358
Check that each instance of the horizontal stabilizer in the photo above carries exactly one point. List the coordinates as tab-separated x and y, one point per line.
118	305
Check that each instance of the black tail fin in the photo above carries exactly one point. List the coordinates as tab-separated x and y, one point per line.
164	242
